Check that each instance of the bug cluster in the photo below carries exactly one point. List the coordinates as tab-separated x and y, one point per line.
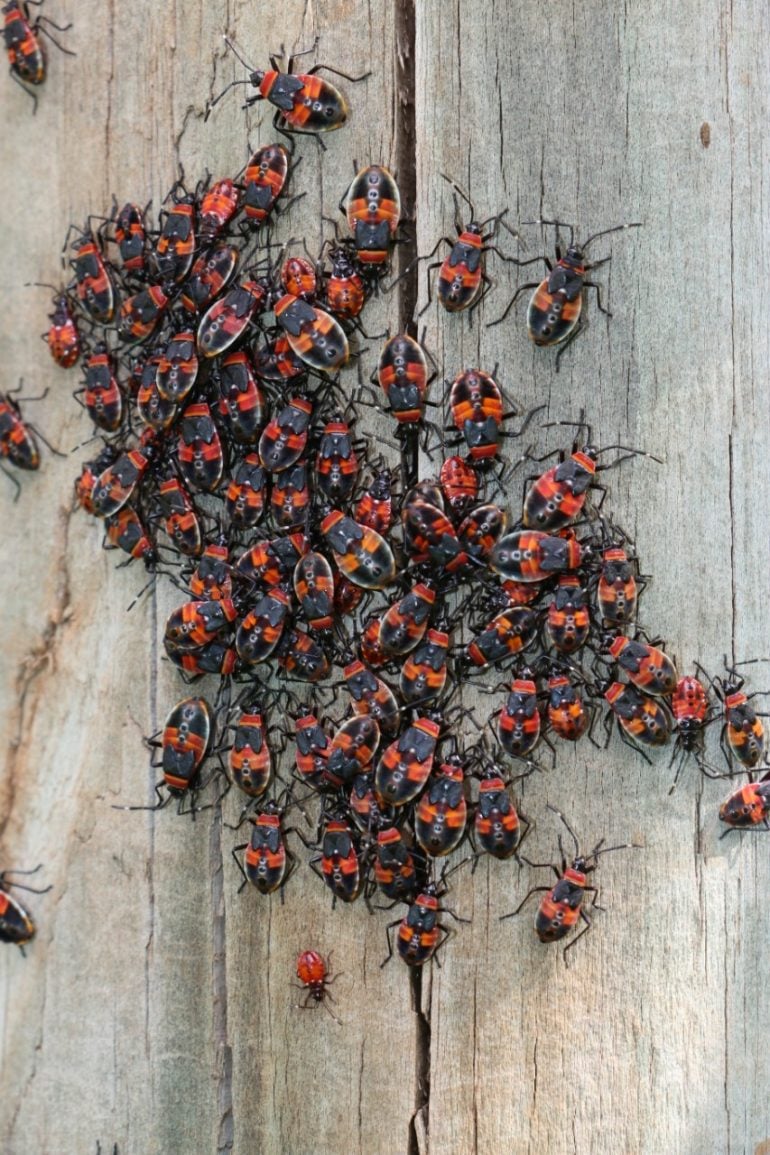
340	603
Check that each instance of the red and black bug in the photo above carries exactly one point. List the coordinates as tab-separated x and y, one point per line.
375	506
372	696
62	335
313	973
360	553
568	716
277	361
508	634
126	531
460	485
480	530
245	496
90	471
213	577
340	865
299	277
175	247
429	536
497	824
16	924
300	655
218	206
691	710
271	562
424	673
177	369
313	746
405	765
344	288
403	625
209	276
260	631
395	869
314	587
186	739
519	723
649	668
102	396
93	285
442	811
241	401
263	182
131	236
748	807
352	749
290	496
642	721
617	592
181	520
17	443
561	908
199	448
555	308
743	730
228	319
195	624
372	207
336	463
568	621
304	102
530	556
26	54
268	863
313	334
284	438
117	483
140	314
419	931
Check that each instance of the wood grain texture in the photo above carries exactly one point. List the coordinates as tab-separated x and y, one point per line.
155	1009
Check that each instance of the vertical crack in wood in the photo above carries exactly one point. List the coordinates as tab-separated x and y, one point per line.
223	1050
419	1122
405	136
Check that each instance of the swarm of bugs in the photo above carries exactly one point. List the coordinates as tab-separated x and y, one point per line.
217	365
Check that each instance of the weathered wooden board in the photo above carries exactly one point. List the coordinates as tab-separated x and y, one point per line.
155	1009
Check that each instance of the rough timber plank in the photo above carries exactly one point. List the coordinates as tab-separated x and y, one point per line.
648	1042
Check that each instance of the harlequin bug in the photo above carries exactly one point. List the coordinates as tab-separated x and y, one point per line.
245	496
299	278
285	436
476	404
182	524
372	696
347	595
16	924
313	334
419	931
344	288
336	463
260	631
140	314
461	274
617	592
313	746
642	720
480	530
403	625
314	587
405	765
395	870
175	247
93	285
650	669
360	553
531	556
568	622
372	207
691	709
269	563
562	907
215	658
90	471
211	273
352	749
742	730
186	739
228	319
340	867
304	103
241	401
300	655
26	54
217	208
460	485
313	973
131	236
125	530
178	368
369	644
497	825
365	807
102	396
747	807
199	449
518	726
17	443
62	336
263	182
554	313
290	496
424	673
268	864
442	811
213	577
508	634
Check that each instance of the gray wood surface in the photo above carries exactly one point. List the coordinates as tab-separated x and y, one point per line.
155	1009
